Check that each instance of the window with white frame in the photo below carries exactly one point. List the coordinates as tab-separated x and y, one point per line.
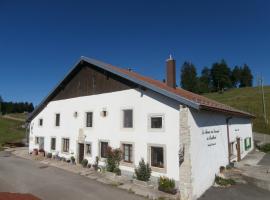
156	122
53	144
157	156
89	119
36	140
127	152
88	149
127	118
104	149
65	145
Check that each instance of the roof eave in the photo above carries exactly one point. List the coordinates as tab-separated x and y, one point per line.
231	113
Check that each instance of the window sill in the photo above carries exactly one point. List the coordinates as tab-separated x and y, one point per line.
158	169
127	164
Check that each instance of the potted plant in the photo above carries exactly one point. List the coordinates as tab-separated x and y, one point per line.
166	185
35	152
84	163
72	159
41	152
95	166
49	155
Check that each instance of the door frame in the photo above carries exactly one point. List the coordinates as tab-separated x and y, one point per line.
238	149
78	150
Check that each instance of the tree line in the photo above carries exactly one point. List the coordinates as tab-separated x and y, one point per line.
15	107
218	78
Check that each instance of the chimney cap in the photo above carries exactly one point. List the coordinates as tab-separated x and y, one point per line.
170	57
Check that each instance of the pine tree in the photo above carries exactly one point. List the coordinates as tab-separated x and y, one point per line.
205	81
246	77
236	76
221	73
143	172
189	79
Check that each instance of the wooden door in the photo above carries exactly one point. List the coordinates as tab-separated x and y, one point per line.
81	152
238	148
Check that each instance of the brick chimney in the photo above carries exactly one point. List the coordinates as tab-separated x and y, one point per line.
170	68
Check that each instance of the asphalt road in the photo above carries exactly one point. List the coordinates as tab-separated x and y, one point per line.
49	183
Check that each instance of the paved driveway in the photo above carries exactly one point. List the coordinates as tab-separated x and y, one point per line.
265	160
237	192
49	183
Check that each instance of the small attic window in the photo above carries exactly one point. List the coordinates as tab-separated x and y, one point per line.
104	112
75	114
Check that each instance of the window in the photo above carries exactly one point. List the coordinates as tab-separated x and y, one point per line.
127	153
65	145
157	157
36	140
88	149
57	119
89	119
40	122
128	118
103	149
53	143
156	122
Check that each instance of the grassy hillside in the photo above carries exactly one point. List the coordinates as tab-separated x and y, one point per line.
10	131
250	100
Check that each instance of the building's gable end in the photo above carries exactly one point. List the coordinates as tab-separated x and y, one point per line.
91	80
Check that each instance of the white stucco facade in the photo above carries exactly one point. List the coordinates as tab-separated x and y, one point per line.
208	132
110	128
209	146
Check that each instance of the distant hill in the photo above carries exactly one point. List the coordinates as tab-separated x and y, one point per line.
247	99
10	131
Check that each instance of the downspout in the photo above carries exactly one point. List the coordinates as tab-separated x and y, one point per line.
228	138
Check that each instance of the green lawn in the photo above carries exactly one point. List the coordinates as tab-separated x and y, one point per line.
10	131
250	100
18	115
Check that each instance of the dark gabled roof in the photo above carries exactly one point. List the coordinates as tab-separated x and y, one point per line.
187	98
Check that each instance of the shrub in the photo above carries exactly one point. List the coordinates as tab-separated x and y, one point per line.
224	182
41	151
265	148
117	171
84	162
166	185
35	152
49	155
143	171
114	157
96	167
72	159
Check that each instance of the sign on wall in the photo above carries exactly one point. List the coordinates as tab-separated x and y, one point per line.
210	136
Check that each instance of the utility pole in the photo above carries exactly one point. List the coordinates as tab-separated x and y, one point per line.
263	102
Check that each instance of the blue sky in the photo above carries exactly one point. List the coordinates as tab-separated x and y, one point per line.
41	40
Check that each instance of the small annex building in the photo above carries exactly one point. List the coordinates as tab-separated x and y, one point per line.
181	135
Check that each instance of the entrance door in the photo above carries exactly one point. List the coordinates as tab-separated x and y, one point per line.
81	152
41	143
238	148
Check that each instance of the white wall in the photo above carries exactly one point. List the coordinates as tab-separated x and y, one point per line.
209	148
109	128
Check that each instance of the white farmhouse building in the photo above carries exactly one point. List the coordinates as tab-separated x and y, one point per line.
182	135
